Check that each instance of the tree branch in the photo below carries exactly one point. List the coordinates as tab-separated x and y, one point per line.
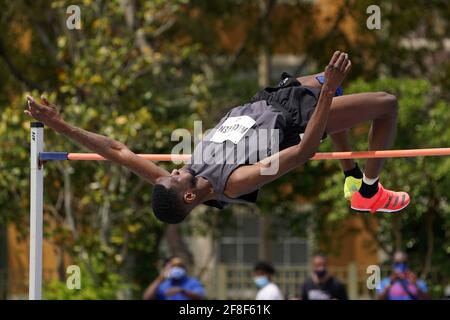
16	73
369	229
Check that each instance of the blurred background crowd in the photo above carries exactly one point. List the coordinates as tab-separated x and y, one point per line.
174	283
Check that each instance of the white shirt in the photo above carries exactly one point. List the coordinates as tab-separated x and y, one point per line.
317	294
269	292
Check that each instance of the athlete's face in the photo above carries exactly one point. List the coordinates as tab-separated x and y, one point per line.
182	181
183	178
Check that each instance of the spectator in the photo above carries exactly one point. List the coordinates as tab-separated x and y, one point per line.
267	290
402	284
321	285
447	292
173	283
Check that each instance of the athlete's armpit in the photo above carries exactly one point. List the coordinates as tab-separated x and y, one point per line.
246	179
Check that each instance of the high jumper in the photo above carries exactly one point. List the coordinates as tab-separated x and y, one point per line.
230	164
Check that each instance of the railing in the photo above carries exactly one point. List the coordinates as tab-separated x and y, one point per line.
236	281
228	282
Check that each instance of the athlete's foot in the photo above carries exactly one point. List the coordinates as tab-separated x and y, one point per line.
383	201
351	185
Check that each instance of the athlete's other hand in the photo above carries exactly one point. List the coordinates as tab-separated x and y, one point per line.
43	111
336	70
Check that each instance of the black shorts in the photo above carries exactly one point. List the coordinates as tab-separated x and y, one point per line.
297	103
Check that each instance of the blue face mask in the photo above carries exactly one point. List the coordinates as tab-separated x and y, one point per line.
400	267
176	273
261	281
321	273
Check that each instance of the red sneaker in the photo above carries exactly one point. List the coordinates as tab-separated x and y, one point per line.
383	201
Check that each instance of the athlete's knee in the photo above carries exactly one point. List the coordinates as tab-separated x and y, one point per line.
389	101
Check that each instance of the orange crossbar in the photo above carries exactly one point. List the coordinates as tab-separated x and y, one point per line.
318	156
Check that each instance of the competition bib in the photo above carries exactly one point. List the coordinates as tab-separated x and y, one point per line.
233	129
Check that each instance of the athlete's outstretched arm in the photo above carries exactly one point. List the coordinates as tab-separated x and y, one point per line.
109	148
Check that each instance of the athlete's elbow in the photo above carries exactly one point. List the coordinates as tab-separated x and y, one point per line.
232	188
123	155
303	158
305	153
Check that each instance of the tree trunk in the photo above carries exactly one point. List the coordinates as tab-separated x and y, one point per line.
397	233
177	245
3	260
429	219
60	265
265	252
67	201
129	8
264	65
264	74
372	231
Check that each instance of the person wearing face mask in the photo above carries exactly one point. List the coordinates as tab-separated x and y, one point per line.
321	285
402	284
173	283
262	277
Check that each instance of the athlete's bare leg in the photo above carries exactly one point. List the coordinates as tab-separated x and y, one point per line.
350	110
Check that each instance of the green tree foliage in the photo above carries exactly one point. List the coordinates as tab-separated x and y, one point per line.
97	282
422	228
117	76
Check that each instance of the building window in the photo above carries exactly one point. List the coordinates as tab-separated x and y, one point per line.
240	243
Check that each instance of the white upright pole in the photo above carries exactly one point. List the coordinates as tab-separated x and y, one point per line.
36	212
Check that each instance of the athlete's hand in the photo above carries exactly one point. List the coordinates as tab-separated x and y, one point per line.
43	111
336	70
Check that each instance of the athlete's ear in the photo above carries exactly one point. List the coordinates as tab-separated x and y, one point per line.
189	197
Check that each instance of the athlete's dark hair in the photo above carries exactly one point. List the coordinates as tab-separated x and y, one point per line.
264	267
168	205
